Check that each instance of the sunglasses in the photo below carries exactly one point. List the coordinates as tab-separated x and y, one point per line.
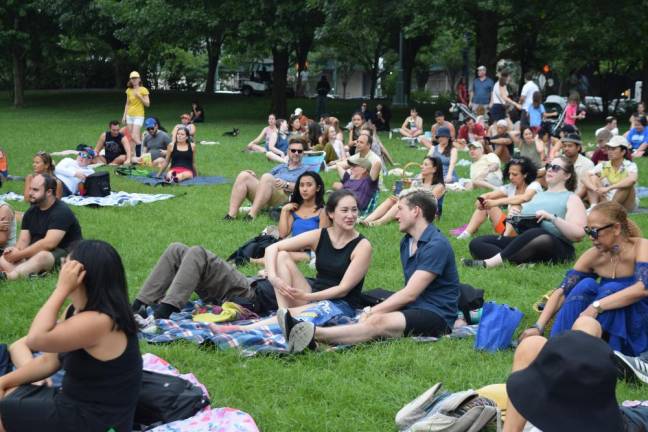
594	232
150	129
85	155
300	151
554	167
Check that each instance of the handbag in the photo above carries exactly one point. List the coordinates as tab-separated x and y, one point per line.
496	327
97	185
523	223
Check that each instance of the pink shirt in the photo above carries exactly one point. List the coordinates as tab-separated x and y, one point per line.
570	116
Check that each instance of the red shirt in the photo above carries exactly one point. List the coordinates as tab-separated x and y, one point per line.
478	131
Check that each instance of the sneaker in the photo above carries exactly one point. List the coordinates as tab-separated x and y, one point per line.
464	236
227	217
248	218
286	323
459	230
473	263
631	368
301	336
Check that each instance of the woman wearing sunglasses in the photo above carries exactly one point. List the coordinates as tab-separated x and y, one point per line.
559	215
608	282
185	122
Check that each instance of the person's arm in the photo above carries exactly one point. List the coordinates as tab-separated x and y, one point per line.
453	164
66	167
6	221
125	109
505	97
453	131
258	139
325	222
100	143
272	145
625	183
144	98
341	169
350	144
167	159
527	196
573	223
47	243
374	173
127	147
415	286
307	240
641	150
39	368
404	125
419	126
286	219
438	191
83	330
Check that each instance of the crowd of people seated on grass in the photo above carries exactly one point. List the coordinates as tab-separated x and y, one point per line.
543	195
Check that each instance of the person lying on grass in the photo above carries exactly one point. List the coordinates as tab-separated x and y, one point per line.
49	229
619	301
96	344
343	258
426	306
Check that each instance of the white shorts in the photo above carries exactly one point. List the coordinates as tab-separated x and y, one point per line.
139	121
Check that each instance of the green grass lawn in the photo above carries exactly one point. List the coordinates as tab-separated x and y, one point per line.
358	389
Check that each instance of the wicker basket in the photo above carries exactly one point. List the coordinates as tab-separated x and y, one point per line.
405	182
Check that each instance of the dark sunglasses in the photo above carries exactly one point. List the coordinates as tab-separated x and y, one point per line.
594	232
150	129
300	151
554	167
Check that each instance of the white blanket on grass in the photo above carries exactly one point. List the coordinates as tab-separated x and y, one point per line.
115	199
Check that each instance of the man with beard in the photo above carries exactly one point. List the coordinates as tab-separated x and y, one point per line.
49	228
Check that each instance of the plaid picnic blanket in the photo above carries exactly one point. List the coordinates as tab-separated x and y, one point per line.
250	342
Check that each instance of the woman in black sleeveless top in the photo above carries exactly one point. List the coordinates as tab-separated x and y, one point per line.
181	155
342	260
96	344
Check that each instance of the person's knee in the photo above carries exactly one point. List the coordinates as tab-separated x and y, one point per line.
588	325
267	178
176	248
382	325
196	252
528	350
586	287
44	260
242	177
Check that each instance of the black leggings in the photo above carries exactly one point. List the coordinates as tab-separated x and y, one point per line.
534	245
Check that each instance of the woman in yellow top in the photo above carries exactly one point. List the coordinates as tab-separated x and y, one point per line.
137	97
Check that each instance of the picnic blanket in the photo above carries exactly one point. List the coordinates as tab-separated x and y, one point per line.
267	339
115	199
208	419
11	196
196	181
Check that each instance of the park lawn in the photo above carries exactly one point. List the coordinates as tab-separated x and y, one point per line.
357	389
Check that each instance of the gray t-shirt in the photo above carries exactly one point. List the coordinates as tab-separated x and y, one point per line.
156	143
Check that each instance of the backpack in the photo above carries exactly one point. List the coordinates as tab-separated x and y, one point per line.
436	411
254	248
166	398
97	185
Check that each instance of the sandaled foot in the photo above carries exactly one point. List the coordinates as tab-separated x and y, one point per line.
473	263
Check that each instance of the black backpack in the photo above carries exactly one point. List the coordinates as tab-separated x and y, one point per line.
254	248
166	398
97	185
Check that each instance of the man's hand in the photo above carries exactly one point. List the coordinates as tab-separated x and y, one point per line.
12	255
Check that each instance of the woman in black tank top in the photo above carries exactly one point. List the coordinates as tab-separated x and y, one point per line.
343	256
96	344
181	156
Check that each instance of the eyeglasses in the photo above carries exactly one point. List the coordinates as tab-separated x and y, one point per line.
554	167
300	151
594	232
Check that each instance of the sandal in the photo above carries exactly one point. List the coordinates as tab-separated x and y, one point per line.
540	304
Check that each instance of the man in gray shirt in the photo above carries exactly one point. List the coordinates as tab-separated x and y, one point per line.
155	142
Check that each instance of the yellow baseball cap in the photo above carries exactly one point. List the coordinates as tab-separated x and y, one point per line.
134	74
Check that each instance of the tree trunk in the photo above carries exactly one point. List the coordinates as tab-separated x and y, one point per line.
412	47
18	59
213	57
374	74
487	26
279	71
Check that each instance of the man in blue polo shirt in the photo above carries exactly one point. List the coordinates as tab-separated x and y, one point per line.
272	188
480	91
426	306
638	136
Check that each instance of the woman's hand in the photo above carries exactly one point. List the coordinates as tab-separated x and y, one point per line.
513	210
489	204
532	331
448	179
590	312
544	215
290	207
70	277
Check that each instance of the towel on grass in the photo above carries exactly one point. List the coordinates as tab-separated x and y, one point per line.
196	181
115	199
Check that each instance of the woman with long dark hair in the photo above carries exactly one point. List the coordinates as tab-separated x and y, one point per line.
42	163
558	218
96	344
447	153
431	177
522	187
181	155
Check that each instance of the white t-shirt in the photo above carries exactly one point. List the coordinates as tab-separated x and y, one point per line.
583	166
614	131
509	188
65	171
480	169
527	92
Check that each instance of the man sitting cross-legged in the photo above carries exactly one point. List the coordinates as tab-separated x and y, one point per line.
427	305
272	188
49	228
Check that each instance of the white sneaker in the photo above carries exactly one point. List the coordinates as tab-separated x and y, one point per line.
464	236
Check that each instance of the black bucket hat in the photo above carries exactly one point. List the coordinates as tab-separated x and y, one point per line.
569	386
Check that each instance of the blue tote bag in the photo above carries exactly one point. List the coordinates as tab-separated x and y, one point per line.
497	325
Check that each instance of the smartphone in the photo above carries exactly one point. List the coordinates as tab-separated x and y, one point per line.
481	201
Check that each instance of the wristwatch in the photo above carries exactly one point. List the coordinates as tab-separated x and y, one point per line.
597	305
